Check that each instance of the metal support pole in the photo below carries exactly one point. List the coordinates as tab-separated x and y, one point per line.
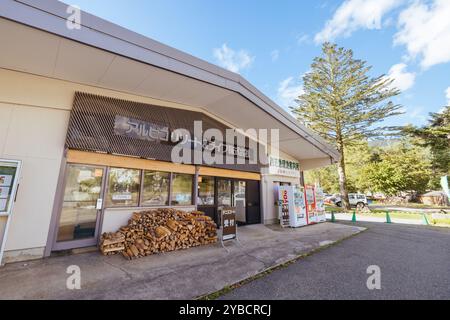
197	169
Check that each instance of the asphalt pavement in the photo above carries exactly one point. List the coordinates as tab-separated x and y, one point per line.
414	263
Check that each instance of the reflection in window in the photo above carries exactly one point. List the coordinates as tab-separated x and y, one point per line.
240	201
206	191
239	193
182	189
123	188
224	192
156	188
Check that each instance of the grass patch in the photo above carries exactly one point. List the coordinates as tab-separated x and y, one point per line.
379	213
395	214
404	215
440	222
410	205
228	289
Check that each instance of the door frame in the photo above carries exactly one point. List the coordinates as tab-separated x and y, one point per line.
72	244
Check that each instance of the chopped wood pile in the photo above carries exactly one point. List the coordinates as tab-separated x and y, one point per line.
160	230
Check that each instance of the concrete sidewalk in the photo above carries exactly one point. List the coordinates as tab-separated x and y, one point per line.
177	275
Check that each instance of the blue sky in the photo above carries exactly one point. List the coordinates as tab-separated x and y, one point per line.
272	43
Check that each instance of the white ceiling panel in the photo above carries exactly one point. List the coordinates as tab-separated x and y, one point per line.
81	63
158	82
24	49
124	74
197	93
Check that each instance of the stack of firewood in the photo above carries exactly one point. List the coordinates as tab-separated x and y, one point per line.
159	231
112	243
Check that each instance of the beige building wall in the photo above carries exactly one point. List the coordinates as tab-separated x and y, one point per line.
34	115
269	192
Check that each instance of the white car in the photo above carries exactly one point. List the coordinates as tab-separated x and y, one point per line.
356	200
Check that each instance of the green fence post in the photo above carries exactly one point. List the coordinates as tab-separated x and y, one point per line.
333	218
388	217
425	220
354	216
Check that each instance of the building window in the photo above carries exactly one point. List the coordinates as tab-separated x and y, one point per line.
123	188
156	188
182	189
224	192
206	191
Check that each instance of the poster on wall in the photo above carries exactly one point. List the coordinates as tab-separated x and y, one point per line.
4	192
8	171
9	181
121	196
5	180
3	203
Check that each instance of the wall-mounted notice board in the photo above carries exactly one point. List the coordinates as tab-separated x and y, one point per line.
9	182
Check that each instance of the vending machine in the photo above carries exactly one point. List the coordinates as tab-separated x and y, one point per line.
299	218
310	198
284	205
292	207
320	204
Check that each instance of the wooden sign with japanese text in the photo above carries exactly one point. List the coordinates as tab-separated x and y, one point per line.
229	227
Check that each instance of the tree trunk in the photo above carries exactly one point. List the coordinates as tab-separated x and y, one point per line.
343	181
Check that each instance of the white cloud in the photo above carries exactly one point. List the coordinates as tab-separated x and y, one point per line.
356	14
232	60
302	39
425	31
403	80
288	91
447	95
275	54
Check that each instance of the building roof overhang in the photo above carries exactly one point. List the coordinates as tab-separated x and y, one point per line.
36	39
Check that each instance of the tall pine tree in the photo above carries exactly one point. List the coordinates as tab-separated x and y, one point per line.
343	104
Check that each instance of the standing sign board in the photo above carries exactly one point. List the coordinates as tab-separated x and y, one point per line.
284	205
229	228
9	177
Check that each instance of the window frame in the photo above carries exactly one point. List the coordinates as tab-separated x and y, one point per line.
214	190
171	190
106	206
141	190
141	196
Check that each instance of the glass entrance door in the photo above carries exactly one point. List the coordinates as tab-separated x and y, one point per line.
239	201
82	203
224	192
